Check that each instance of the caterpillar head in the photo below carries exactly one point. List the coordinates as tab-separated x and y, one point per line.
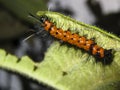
43	18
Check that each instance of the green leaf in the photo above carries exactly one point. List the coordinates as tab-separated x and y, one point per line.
68	68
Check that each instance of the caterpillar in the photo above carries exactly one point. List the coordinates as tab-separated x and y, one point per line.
88	45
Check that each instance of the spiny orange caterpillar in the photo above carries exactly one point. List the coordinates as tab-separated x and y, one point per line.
46	25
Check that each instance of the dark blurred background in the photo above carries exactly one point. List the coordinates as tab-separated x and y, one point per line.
15	26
